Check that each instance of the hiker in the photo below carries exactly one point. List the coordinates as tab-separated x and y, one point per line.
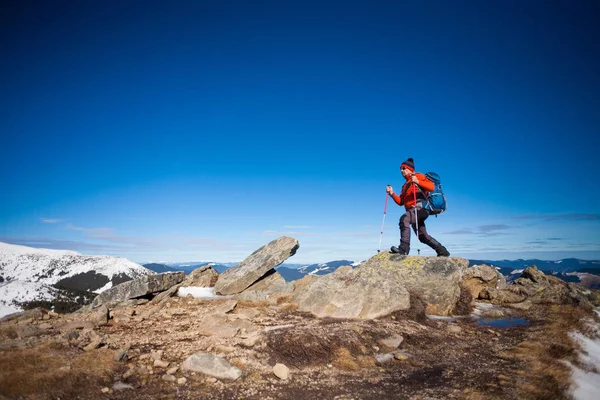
412	198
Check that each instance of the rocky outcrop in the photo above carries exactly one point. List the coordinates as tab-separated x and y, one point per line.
538	288
240	277
381	286
348	294
139	287
483	276
205	276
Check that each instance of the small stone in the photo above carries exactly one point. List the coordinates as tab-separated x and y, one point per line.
211	380
161	363
454	329
128	373
281	371
400	356
169	378
172	371
181	381
105	390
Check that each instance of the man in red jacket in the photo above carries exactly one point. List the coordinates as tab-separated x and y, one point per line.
415	188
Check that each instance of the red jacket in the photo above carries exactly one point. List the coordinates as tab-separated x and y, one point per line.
407	196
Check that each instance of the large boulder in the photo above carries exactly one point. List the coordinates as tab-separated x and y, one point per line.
435	279
256	265
482	277
382	285
345	293
139	287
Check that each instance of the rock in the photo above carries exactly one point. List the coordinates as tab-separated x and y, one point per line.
482	276
272	283
534	287
240	277
253	296
169	378
211	365
138	287
400	356
281	371
454	329
205	276
121	386
435	279
181	381
101	316
27	330
351	295
95	341
219	326
247	313
166	295
381	286
161	363
384	358
121	354
172	370
156	354
225	307
128	373
392	342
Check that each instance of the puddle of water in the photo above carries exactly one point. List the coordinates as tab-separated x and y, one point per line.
502	322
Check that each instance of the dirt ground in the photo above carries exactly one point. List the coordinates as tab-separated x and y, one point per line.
328	359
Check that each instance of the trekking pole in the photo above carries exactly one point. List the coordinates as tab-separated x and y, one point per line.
383	222
416	217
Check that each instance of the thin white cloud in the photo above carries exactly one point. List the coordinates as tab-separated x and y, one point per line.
297	227
50	220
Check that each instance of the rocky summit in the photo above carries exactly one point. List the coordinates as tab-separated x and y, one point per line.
395	326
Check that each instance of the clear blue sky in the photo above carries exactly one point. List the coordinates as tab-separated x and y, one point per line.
190	130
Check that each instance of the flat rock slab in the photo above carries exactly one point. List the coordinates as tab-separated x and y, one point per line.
211	365
138	287
237	279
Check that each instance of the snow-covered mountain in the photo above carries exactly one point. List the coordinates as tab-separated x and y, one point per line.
28	274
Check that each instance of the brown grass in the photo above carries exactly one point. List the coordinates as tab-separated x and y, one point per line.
545	375
54	371
8	332
314	347
344	359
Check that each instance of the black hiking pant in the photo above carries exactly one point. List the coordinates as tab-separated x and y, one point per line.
408	220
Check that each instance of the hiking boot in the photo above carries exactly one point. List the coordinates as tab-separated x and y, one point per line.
398	250
442	252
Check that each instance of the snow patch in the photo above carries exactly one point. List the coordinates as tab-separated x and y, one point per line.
587	381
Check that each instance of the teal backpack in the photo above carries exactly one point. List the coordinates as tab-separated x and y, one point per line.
435	201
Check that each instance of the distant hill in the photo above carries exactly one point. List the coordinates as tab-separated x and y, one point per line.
564	266
159	268
40	275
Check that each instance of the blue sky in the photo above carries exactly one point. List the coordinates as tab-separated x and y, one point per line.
190	130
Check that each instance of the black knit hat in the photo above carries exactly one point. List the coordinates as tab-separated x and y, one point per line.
410	164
